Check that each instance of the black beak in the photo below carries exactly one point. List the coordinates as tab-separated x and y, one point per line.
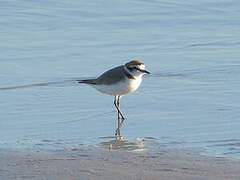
145	71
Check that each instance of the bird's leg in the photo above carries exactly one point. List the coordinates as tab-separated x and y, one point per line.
118	107
117	132
118	103
120	119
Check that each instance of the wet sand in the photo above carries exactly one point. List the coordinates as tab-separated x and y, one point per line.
99	164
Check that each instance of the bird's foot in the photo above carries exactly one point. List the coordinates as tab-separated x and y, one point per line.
117	132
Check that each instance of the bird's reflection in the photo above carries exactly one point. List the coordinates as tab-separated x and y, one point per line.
118	143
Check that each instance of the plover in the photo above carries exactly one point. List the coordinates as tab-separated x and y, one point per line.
119	81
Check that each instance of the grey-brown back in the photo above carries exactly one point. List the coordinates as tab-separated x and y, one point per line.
112	76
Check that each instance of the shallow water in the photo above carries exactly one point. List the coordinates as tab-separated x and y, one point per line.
192	98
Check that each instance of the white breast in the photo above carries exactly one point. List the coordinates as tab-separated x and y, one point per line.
121	88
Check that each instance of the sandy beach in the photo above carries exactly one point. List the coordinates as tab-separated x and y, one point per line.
99	164
185	113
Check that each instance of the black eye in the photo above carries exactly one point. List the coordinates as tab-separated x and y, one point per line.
131	68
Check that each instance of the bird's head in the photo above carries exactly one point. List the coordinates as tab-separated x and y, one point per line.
136	68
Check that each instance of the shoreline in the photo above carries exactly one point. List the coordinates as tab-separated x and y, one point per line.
94	163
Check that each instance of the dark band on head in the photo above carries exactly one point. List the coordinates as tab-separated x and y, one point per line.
133	63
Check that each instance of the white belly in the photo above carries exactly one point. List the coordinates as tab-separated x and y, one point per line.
121	88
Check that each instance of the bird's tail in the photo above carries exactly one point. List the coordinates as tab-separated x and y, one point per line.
87	81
